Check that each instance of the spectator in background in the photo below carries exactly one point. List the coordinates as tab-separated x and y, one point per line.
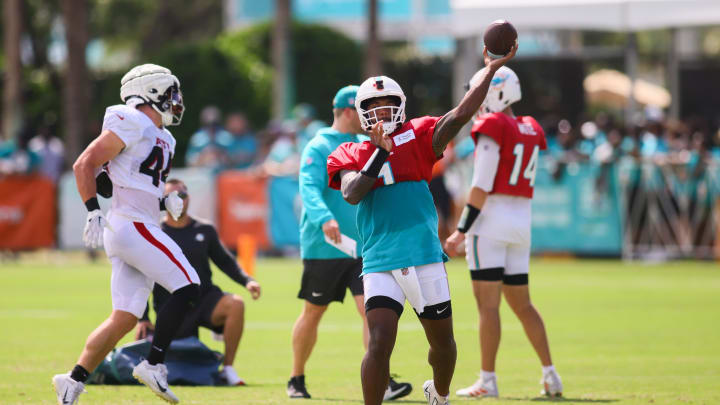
49	149
283	159
305	123
15	155
209	146
244	149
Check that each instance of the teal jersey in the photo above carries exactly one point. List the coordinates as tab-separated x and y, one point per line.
397	221
398	227
320	202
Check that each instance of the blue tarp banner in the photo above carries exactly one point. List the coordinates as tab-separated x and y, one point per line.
573	214
285	208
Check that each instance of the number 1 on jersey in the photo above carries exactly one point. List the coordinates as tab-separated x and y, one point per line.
386	174
531	168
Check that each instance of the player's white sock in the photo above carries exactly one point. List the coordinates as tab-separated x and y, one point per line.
486	375
548	369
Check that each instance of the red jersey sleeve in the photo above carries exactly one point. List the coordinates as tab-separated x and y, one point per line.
342	158
424	128
490	125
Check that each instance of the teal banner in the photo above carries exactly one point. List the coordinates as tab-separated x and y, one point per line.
575	212
285	208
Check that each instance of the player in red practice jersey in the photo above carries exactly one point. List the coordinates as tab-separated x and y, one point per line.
397	223
498	239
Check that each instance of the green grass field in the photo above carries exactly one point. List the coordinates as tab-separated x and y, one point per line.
620	333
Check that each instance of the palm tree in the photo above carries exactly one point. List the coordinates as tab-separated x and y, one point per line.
12	89
76	94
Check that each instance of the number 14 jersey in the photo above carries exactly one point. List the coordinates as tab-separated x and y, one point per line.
520	140
139	171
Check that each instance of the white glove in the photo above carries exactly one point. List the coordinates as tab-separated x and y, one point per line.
93	232
174	204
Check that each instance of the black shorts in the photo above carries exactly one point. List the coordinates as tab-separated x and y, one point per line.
325	280
201	314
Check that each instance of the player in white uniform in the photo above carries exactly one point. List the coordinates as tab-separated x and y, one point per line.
498	239
139	152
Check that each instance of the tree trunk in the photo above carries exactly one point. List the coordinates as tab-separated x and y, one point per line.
372	50
281	60
12	89
76	94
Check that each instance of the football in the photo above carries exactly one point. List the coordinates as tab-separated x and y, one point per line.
499	38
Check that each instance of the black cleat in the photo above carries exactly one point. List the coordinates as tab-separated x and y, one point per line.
397	390
296	387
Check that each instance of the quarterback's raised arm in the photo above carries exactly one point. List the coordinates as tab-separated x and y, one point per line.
102	149
450	124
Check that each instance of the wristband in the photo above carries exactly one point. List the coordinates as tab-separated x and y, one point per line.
374	164
92	204
469	215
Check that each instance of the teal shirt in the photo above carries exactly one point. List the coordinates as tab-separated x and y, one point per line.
398	227
320	202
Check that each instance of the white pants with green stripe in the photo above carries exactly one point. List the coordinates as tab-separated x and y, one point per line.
482	252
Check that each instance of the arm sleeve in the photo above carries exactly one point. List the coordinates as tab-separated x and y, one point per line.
313	180
341	158
487	157
224	260
121	123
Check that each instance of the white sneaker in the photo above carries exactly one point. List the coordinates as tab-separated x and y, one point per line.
481	388
67	389
155	377
432	396
230	376
552	384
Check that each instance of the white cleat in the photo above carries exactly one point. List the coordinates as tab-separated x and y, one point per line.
229	375
481	388
155	377
552	384
67	389
432	396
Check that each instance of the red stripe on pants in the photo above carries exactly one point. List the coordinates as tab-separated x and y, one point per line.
147	235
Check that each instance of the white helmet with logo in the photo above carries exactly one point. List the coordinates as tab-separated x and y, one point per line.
380	86
504	90
157	86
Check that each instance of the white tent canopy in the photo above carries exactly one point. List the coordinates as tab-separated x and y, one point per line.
472	16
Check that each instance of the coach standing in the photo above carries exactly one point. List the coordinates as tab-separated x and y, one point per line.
327	271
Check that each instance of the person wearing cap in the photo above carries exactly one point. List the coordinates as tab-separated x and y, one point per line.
327	271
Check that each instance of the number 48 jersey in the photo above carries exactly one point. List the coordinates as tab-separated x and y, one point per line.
520	139
139	171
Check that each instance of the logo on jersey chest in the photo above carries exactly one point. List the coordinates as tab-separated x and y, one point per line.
404	137
526	129
199	237
162	144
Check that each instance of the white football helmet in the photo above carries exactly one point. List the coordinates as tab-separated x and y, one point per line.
157	86
380	86
504	90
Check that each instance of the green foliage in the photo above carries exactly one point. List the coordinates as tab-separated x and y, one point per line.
323	60
208	76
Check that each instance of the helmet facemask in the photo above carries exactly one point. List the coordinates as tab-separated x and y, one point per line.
170	106
370	117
